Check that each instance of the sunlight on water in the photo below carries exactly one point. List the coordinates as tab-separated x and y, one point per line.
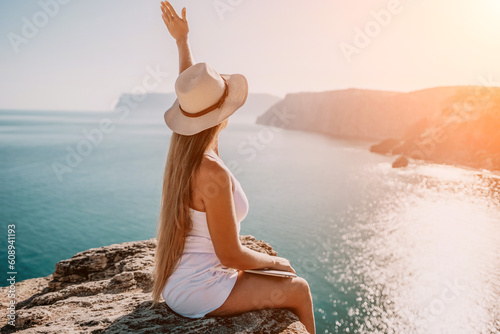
412	250
424	257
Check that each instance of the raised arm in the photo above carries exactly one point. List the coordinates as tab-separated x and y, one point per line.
178	28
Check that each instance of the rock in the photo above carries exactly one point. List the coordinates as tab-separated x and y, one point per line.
385	146
108	290
401	161
357	113
465	133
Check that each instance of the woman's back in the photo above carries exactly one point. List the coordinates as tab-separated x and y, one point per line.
200	283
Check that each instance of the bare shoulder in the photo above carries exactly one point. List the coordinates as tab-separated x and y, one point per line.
211	173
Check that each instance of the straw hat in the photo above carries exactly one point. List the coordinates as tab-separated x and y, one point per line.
204	99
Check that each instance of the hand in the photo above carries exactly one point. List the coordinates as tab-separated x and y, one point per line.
178	27
280	263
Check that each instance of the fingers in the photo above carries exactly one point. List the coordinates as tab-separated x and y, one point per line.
172	10
184	14
167	11
167	22
164	9
167	17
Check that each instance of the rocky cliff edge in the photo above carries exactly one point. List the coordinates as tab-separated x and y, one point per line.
108	290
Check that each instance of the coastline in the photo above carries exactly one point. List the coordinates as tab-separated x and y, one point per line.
480	171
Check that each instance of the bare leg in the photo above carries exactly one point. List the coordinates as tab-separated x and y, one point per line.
255	292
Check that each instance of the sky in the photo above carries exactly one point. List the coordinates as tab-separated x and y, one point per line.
84	54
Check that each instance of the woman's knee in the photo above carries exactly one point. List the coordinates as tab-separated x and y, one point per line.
300	290
301	284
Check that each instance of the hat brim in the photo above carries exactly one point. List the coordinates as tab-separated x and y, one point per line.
184	125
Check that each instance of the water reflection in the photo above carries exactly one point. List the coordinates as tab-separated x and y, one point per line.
420	254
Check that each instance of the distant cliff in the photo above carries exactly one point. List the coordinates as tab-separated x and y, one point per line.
108	290
467	132
456	125
358	113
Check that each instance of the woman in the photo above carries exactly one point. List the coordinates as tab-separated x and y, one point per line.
199	260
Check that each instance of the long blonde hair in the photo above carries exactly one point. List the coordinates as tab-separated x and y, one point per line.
183	160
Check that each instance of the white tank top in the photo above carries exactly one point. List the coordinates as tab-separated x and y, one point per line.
198	240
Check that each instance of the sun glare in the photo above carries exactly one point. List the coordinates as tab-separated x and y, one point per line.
494	5
490	10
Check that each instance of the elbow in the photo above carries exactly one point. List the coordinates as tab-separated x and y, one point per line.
231	260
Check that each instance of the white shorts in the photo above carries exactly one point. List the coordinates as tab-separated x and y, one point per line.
198	285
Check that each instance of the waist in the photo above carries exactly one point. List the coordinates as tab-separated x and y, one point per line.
198	244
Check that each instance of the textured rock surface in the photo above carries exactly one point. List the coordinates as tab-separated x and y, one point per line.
108	290
401	161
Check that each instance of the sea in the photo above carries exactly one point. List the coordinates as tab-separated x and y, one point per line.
411	250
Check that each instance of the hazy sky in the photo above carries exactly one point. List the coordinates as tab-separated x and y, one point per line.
89	52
